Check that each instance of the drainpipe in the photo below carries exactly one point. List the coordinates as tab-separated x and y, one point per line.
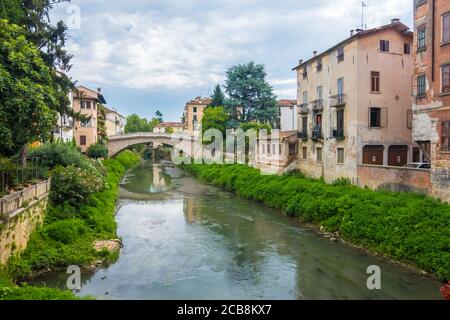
433	40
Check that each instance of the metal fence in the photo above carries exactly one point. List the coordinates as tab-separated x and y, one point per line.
14	177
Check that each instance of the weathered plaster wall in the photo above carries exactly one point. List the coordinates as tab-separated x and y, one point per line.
17	229
394	178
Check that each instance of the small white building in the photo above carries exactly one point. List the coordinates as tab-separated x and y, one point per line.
169	127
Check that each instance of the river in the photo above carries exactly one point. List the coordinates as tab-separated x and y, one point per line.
187	240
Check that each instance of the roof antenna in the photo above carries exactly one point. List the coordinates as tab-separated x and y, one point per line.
363	25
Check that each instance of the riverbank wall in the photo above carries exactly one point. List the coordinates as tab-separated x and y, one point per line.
20	214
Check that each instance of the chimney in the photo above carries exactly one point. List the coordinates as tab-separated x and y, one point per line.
314	53
300	61
359	30
99	90
352	33
395	20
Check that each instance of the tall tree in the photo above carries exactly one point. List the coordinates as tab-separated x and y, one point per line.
159	116
101	123
218	98
28	96
138	124
251	97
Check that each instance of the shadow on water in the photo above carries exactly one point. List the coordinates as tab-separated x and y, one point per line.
186	240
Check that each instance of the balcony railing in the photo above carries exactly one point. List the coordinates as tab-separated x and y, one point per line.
317	133
304	108
338	100
317	105
338	133
303	135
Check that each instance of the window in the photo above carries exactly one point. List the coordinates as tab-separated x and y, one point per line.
319	65
421	43
375	81
384	46
86	105
373	155
195	118
377	117
194	110
85	123
319	154
340	85
274	151
421	86
268	149
446	28
305	153
305	73
407	48
82	140
305	97
263	148
319	93
446	79
340	155
340	55
416	155
445	136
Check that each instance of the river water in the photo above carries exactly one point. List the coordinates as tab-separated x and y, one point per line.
187	240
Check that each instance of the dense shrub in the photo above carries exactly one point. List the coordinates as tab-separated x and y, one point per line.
56	246
73	185
97	151
66	231
54	154
405	226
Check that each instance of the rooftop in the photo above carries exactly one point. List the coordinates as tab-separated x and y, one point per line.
395	24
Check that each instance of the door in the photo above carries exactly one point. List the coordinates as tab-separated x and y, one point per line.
373	155
398	156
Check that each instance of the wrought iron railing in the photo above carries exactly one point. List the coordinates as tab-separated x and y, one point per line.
338	100
317	105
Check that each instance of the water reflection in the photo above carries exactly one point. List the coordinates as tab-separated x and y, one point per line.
192	241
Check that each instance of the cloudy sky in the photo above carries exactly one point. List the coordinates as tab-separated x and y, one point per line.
150	55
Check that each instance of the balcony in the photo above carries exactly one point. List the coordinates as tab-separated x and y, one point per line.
317	133
303	135
338	134
304	108
317	105
338	100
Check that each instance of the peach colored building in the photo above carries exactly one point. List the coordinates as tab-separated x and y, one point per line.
193	114
86	101
431	103
354	104
169	127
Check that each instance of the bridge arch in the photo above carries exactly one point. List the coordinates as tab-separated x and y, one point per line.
118	143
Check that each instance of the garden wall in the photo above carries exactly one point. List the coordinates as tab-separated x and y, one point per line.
20	214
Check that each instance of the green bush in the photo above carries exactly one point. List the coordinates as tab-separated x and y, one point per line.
405	226
57	154
97	151
70	228
73	185
66	231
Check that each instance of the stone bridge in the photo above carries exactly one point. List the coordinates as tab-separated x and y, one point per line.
120	142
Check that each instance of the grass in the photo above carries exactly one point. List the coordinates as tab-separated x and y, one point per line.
67	236
407	227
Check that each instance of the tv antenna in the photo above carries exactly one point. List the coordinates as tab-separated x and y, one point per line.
363	6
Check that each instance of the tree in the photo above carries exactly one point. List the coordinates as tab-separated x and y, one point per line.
28	96
215	118
136	124
159	116
251	97
218	98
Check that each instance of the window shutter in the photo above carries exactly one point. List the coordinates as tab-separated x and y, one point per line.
409	119
384	117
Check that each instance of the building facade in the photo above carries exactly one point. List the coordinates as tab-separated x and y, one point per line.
86	102
169	127
115	123
193	114
354	104
288	115
431	93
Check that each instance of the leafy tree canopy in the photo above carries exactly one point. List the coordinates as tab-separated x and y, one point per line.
138	124
215	118
251	97
28	95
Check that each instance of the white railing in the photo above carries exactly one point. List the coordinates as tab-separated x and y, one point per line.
15	201
155	135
